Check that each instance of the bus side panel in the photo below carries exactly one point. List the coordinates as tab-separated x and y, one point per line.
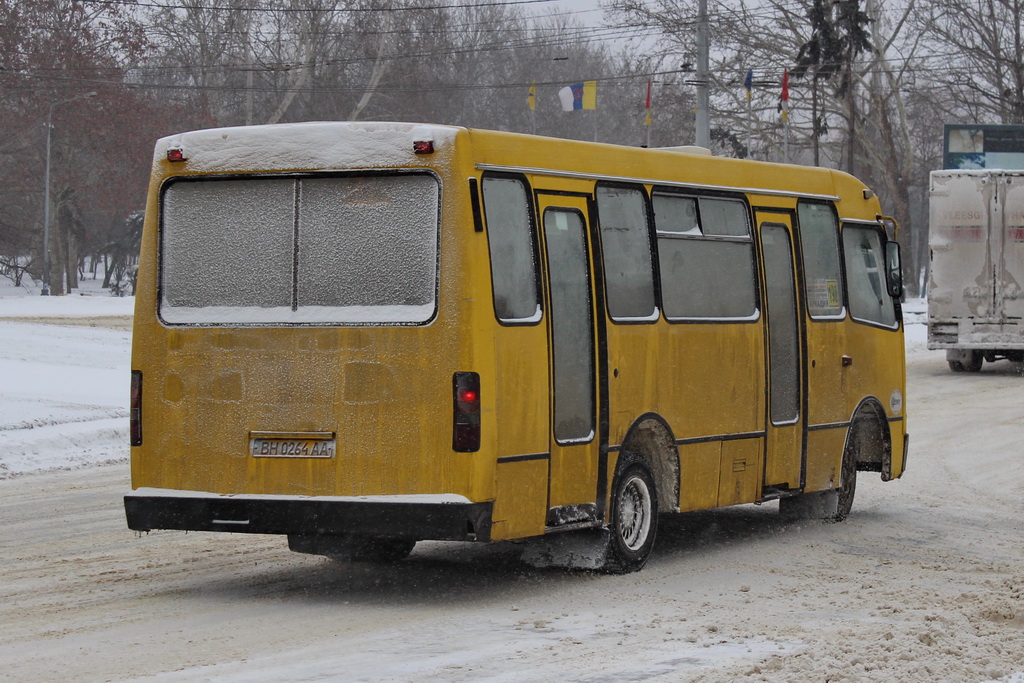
740	481
879	371
521	423
705	380
824	458
832	397
700	465
521	502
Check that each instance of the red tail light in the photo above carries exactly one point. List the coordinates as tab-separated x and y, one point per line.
135	411
176	154
423	147
466	422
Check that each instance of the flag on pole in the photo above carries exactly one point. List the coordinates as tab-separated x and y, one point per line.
748	82
579	96
647	104
784	97
531	99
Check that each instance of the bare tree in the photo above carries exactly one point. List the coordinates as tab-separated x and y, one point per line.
54	53
981	47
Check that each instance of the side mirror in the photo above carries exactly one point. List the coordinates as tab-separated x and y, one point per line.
893	269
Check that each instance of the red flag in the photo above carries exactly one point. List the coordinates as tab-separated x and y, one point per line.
784	97
647	104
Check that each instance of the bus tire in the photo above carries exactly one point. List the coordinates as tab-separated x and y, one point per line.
833	505
847	485
634	517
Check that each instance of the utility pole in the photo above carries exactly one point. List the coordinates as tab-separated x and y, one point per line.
703	76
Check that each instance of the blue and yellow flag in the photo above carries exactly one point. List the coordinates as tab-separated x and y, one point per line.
579	96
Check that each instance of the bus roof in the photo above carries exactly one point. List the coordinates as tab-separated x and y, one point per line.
330	145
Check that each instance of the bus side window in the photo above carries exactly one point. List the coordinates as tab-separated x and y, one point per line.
705	257
865	272
626	252
819	240
511	245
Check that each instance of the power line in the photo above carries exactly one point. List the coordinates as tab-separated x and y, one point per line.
299	10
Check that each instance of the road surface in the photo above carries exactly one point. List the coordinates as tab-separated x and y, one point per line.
924	581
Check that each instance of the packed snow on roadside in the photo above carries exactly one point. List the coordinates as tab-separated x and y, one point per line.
64	388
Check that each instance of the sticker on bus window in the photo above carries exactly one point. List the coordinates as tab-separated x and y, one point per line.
833	293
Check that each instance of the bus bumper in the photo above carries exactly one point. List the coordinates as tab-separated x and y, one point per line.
443	517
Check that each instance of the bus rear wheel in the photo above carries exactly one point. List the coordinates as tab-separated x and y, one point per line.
634	518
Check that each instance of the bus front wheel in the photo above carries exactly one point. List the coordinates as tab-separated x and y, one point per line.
634	518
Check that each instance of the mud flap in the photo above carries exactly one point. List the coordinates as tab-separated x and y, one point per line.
570	550
817	505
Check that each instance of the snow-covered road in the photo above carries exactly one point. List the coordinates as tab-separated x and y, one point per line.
924	581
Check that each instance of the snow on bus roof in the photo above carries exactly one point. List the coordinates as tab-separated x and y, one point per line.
324	144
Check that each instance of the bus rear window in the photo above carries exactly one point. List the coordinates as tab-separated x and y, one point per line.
314	250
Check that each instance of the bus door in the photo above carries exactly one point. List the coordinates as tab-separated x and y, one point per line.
573	475
784	443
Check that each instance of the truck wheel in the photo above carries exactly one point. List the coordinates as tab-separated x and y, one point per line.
634	518
975	362
972	363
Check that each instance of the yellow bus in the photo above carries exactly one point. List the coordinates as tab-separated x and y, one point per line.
364	335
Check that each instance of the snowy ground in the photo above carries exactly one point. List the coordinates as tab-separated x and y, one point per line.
64	386
925	581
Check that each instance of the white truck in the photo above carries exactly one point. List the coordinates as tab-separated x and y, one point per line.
976	241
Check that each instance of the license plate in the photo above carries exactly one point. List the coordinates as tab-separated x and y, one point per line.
291	444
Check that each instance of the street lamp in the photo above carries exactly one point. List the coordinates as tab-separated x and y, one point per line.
46	193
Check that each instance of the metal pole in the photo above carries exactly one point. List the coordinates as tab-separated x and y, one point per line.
46	194
46	210
703	101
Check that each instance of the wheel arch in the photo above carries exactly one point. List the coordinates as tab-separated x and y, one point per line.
870	438
651	439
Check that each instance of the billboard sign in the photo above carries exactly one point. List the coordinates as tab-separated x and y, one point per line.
976	146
